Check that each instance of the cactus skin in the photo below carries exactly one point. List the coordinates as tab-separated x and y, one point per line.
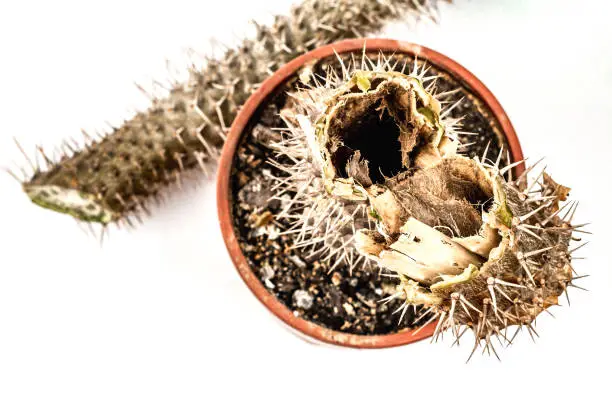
132	164
471	246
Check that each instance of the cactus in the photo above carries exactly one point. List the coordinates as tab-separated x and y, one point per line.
376	180
113	179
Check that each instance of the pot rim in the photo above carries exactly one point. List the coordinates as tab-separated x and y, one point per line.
242	120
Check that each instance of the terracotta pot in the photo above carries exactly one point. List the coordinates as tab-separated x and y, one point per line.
311	330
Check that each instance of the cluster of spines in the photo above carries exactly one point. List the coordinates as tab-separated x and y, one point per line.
186	129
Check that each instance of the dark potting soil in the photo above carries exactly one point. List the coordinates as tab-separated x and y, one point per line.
338	301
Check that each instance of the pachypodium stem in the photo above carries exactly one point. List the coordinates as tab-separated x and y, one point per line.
115	178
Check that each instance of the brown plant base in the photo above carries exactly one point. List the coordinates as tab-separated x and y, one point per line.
338	301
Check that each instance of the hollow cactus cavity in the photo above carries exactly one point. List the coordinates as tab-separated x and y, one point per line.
114	178
377	180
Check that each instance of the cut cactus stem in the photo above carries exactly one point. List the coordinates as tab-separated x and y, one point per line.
116	176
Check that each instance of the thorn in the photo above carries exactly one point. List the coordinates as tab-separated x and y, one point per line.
450	109
468	303
24	154
574	228
484	155
491	285
508	160
199	158
425	324
47	160
526	269
423	314
13	175
438	327
465	309
569	210
498	161
504	283
389	298
535	181
577	248
577	287
459	336
530	214
553	215
104	229
530	329
451	315
573	212
345	72
491	347
177	135
518	329
536	252
527	171
403	314
509	167
444	94
476	344
528	231
179	160
88	138
535	199
91	230
500	290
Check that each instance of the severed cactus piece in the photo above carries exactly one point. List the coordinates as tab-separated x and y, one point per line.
377	177
113	179
344	138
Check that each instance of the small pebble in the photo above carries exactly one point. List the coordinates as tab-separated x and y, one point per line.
349	309
302	299
263	219
297	261
336	279
267	272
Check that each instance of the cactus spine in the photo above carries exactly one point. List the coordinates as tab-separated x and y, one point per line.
114	179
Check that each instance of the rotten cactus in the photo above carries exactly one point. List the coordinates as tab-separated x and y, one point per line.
113	179
375	180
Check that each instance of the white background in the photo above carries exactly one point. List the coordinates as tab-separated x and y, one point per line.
159	318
